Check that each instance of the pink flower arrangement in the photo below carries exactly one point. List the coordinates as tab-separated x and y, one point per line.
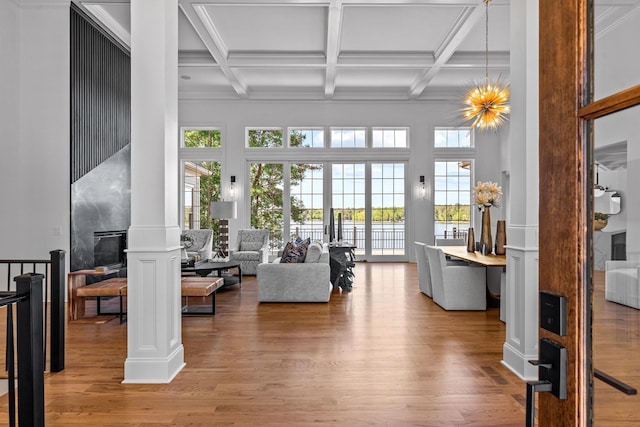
487	194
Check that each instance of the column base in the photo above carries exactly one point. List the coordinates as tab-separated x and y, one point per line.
519	364
141	370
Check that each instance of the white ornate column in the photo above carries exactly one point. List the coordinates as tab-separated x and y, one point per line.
155	352
521	344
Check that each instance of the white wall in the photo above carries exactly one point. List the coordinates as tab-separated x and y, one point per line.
421	117
9	129
36	219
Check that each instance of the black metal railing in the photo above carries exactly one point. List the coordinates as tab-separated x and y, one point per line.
53	272
29	338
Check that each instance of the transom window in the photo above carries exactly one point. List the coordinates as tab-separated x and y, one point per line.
202	138
389	138
348	138
306	137
453	138
264	137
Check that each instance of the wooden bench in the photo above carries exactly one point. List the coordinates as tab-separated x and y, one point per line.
200	287
115	287
189	287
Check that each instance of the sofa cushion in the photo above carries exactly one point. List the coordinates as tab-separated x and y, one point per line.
314	252
293	253
250	246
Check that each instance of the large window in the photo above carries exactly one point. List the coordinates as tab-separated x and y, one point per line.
266	203
452	198
306	200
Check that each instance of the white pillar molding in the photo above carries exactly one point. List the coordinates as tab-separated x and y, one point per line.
155	353
521	342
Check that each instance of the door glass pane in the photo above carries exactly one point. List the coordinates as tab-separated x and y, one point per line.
306	201
387	209
348	198
616	265
201	187
616	55
266	201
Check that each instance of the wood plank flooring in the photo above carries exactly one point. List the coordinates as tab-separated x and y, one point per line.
382	355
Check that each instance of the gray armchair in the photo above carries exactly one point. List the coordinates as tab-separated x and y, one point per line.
198	242
251	248
456	287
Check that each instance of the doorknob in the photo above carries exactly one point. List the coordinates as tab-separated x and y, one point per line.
552	375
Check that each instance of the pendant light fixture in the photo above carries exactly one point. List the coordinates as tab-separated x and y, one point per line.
486	105
598	190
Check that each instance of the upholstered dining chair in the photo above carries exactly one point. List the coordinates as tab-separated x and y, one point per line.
424	276
251	248
456	287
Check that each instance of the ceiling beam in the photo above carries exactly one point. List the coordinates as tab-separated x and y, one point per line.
456	35
203	25
334	28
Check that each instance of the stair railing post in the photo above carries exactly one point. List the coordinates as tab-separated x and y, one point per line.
58	292
30	356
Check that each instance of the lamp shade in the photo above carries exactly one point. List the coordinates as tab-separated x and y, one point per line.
224	210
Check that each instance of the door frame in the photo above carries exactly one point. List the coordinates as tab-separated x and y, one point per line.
566	174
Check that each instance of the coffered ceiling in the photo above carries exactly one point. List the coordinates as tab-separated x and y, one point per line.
331	49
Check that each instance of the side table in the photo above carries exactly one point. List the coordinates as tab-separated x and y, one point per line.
342	261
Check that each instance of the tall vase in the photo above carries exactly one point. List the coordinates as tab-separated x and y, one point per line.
471	241
501	238
486	245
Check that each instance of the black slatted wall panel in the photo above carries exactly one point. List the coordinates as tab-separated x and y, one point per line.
100	96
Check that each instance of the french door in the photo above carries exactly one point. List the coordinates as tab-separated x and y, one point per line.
368	201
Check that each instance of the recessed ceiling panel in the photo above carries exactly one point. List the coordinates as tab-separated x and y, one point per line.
119	12
274	28
278	77
405	28
499	31
376	77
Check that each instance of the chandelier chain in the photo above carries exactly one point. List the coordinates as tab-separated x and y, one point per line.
486	40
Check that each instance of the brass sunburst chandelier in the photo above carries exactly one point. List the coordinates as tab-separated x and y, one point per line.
486	104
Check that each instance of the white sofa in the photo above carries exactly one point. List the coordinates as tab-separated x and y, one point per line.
622	282
308	281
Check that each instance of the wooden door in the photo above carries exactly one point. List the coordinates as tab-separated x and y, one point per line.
566	181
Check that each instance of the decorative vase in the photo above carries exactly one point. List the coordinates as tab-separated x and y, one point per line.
471	241
486	245
501	237
599	224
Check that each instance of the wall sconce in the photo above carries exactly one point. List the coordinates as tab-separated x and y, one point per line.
422	190
232	187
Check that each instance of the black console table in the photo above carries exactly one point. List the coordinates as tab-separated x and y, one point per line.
342	261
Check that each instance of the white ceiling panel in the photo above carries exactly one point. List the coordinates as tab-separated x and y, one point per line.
404	28
499	31
188	38
274	28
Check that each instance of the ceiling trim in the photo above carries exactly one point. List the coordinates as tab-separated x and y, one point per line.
334	34
107	20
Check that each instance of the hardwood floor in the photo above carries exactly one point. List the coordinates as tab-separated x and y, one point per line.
382	355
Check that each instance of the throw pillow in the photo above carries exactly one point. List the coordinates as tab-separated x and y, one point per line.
313	253
292	253
250	246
